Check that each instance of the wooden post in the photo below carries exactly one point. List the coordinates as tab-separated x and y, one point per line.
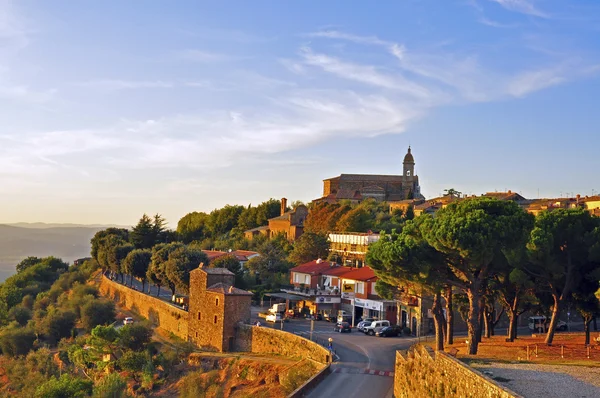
528	352
536	351
562	351
588	351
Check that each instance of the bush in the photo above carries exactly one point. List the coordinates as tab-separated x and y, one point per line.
41	361
111	386
66	386
197	384
97	312
134	337
16	342
20	314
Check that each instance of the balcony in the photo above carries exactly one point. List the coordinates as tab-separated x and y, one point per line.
309	291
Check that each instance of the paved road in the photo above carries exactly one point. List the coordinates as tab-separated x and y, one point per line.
365	365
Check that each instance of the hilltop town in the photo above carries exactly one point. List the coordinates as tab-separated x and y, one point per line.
277	286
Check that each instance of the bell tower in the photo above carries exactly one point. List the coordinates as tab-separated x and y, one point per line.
409	165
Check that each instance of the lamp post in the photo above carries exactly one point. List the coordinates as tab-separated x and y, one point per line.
312	327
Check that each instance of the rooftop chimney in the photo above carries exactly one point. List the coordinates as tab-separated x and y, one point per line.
283	205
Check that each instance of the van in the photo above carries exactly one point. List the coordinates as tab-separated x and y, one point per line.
540	324
375	327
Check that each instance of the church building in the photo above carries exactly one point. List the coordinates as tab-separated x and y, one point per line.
388	188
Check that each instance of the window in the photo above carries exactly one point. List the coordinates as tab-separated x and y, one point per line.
196	334
360	287
307	279
296	278
215	319
199	316
217	302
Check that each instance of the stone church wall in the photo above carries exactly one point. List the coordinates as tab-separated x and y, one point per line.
160	313
423	373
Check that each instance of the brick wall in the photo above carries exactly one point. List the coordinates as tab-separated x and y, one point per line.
271	341
159	312
423	373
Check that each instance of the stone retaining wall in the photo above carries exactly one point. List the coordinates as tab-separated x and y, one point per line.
271	341
424	373
160	313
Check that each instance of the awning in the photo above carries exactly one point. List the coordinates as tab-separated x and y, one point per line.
288	296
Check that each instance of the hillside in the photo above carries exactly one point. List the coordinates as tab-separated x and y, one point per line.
68	243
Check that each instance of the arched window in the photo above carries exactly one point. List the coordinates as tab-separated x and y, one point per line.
217	301
215	319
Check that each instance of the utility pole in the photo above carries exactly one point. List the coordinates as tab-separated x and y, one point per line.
353	311
312	327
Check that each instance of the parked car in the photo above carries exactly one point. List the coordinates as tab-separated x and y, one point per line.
274	318
540	324
344	318
364	322
390	331
128	320
375	327
342	327
317	317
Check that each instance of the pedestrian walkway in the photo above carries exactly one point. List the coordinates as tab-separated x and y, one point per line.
373	372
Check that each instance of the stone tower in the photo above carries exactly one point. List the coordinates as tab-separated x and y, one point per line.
409	164
216	307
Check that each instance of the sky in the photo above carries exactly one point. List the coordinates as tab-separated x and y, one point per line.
111	109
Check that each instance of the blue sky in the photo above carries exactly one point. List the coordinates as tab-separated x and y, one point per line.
111	109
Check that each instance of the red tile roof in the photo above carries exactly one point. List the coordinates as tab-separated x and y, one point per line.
212	254
337	271
360	274
315	267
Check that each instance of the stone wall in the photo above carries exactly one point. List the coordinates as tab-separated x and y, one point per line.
271	341
160	313
423	373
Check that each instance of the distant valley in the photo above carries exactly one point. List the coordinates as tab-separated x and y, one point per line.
66	241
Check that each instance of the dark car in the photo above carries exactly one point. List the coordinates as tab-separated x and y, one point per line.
342	327
390	331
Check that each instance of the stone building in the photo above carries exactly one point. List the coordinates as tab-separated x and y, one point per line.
289	223
215	308
357	187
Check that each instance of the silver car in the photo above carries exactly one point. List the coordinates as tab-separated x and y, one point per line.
364	322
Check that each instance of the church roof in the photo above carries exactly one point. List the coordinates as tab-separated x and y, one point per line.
367	178
408	158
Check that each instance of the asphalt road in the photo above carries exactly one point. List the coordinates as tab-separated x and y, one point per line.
364	365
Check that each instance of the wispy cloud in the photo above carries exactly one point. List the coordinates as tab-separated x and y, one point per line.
522	6
536	80
471	80
495	24
363	73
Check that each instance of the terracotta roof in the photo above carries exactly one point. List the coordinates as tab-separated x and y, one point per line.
504	195
264	227
228	290
244	253
212	254
216	271
315	267
337	271
360	274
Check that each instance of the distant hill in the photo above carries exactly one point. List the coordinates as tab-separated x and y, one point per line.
66	242
43	225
